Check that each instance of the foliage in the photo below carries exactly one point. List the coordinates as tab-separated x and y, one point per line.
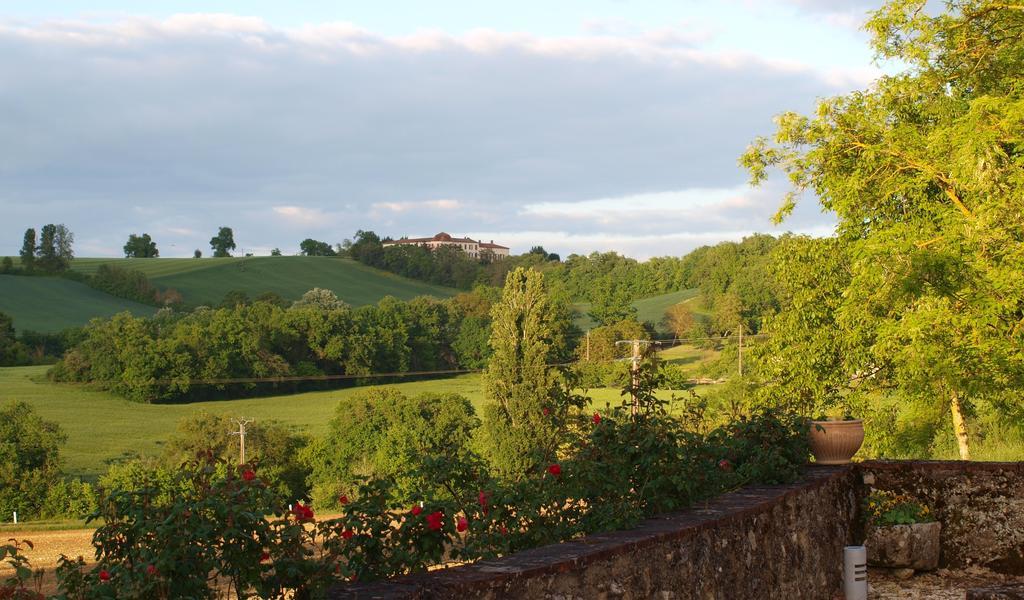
882	508
381	433
680	320
69	499
159	359
610	302
140	246
28	250
12	351
131	285
273	446
29	459
222	243
923	171
54	252
519	380
311	247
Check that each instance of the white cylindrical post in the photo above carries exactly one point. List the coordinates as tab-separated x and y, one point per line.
15	517
855	572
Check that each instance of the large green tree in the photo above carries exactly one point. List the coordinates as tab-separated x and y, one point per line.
29	458
140	246
921	293
223	243
519	381
28	249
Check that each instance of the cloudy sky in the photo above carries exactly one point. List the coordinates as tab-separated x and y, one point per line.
580	125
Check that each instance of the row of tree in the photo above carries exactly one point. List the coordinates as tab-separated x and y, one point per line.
175	357
52	252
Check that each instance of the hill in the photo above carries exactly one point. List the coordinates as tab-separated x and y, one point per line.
50	304
648	309
207	280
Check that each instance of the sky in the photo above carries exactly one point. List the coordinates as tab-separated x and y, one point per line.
578	125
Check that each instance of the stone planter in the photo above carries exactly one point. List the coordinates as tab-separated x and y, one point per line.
904	546
835	442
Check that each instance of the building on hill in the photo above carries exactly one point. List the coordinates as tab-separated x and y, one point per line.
474	248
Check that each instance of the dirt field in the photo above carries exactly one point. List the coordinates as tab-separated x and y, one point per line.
49	545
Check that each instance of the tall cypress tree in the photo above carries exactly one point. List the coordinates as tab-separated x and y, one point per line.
519	384
28	250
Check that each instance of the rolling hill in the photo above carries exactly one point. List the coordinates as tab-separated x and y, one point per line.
206	280
648	309
50	304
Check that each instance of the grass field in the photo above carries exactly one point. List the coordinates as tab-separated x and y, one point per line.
206	280
103	428
649	309
49	304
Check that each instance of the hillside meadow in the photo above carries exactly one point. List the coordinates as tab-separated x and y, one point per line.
50	304
103	428
207	280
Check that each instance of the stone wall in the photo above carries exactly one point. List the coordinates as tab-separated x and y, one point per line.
760	542
980	506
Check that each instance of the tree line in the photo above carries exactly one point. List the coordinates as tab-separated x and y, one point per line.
160	358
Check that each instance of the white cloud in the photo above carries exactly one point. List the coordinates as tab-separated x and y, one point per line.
209	120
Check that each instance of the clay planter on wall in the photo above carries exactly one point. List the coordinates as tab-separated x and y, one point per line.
835	442
904	546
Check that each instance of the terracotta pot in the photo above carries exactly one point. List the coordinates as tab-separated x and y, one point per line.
835	442
905	546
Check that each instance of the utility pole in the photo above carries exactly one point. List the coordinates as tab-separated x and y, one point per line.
741	350
588	345
241	437
634	370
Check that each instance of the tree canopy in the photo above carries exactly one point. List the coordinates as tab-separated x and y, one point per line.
222	243
140	246
921	292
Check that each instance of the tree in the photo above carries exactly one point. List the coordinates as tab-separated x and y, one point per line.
920	293
679	319
140	247
12	352
311	247
223	242
64	240
518	382
28	250
270	445
197	254
610	302
321	299
29	455
275	252
7	265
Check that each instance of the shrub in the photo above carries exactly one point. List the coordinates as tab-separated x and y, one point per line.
69	499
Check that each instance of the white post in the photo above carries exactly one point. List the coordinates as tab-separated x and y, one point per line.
855	572
15	517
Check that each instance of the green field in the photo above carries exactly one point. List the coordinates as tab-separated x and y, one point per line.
649	309
49	304
103	428
207	280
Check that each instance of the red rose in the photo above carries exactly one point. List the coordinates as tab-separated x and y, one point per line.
434	520
555	469
104	575
725	465
347	534
416	510
546	411
461	525
302	512
597	418
151	570
248	475
482	499
343	499
265	556
504	530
